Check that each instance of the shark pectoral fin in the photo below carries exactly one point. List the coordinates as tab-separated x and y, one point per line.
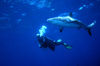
71	14
79	27
89	32
61	29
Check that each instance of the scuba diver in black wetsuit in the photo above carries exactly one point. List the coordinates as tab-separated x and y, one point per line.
45	42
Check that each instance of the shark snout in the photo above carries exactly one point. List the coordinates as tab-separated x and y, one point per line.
50	20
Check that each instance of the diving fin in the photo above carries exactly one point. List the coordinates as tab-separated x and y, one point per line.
67	46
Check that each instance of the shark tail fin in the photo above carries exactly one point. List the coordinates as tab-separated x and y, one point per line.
89	27
92	24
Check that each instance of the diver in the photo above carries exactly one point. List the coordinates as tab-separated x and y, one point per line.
45	42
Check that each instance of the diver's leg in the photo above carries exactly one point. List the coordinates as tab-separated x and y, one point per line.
67	46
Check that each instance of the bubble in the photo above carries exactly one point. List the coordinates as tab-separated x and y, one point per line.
42	30
19	20
52	9
91	4
11	6
86	6
37	3
23	14
80	8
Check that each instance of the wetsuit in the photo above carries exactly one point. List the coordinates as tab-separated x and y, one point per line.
45	42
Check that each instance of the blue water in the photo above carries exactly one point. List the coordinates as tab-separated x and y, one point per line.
20	21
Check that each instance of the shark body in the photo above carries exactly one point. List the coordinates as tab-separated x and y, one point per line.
70	22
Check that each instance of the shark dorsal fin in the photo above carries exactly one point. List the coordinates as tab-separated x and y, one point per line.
71	14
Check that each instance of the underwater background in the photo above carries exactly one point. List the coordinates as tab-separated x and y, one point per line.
20	21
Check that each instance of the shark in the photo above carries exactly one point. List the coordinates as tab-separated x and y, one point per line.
70	22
